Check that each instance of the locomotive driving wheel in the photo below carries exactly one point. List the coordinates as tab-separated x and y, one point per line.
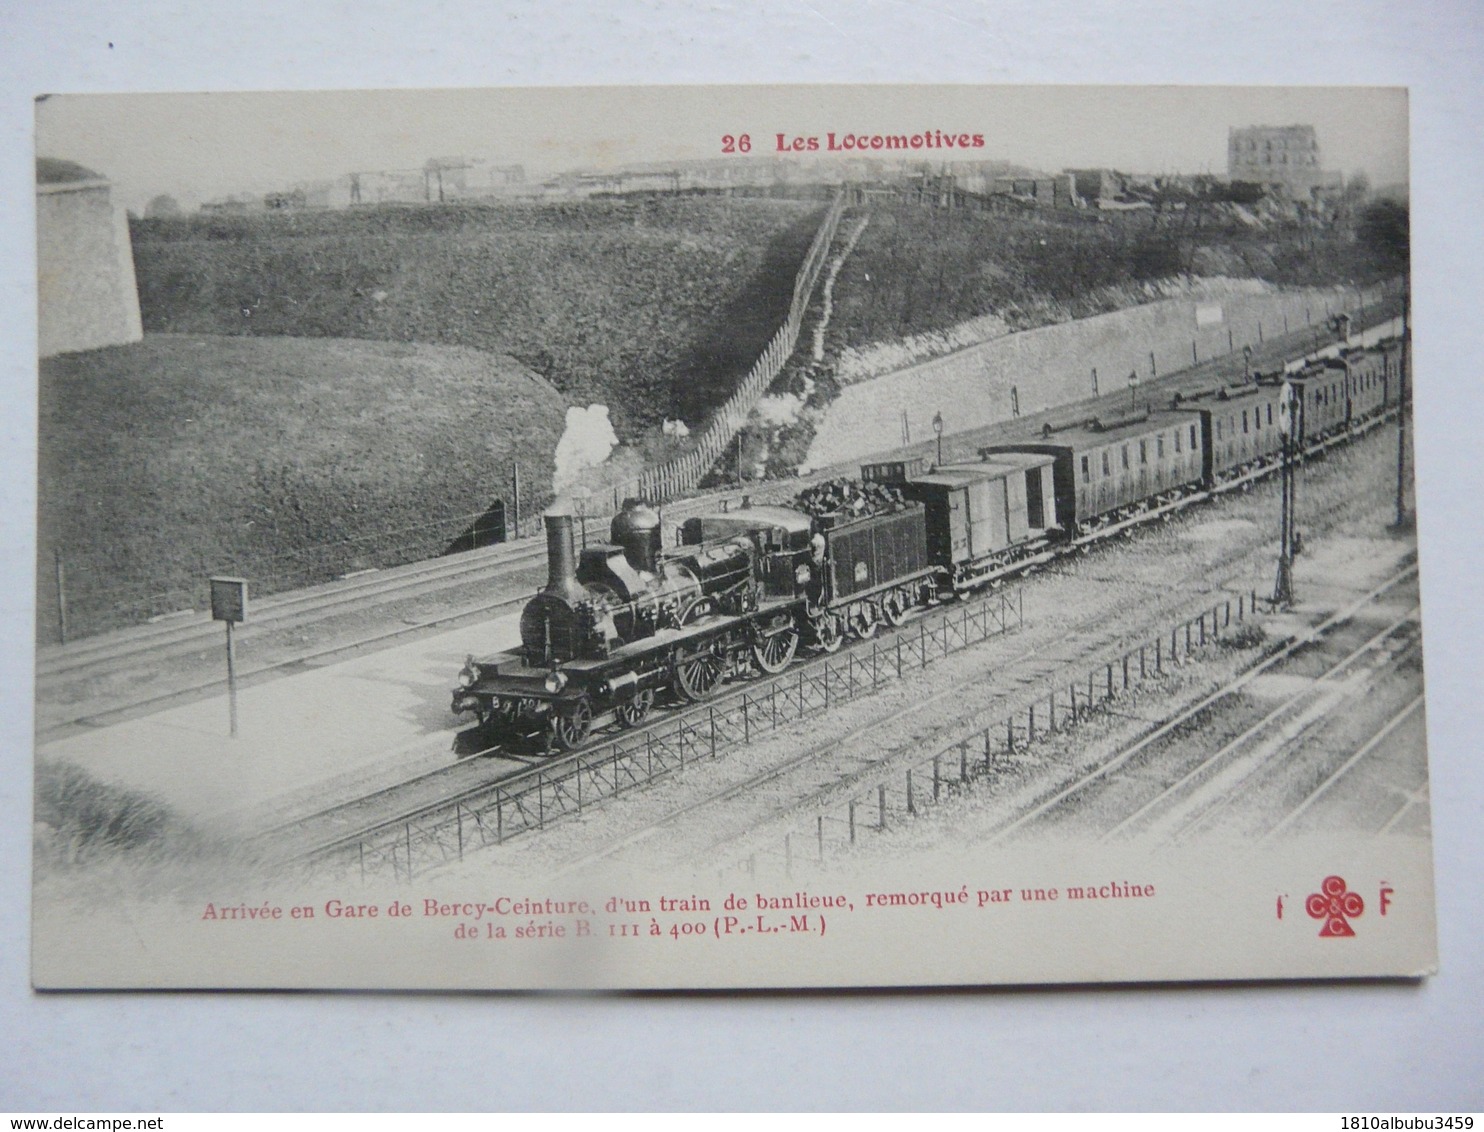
634	710
864	621
698	673
773	653
894	608
571	725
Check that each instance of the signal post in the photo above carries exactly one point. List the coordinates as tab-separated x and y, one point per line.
229	604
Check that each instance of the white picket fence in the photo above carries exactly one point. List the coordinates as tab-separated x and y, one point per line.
674	477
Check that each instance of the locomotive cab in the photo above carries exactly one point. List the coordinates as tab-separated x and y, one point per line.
779	534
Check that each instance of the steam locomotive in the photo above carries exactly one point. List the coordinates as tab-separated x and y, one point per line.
627	622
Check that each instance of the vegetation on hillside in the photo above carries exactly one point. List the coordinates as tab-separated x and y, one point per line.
654	306
288	461
921	269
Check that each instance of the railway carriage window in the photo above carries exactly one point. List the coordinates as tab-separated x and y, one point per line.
1244	422
1177	440
1159	447
1218	430
1106	472
1124	452
1270	413
1143	452
1086	469
1192	438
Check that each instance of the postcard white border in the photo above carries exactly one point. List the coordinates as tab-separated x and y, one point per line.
1263	1047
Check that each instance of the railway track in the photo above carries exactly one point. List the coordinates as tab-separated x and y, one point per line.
286	610
714	725
1413	795
1134	784
851	761
62	670
333	832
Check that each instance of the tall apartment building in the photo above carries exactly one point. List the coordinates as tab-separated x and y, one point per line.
1287	156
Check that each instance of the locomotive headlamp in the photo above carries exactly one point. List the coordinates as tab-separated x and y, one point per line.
554	682
468	674
802	574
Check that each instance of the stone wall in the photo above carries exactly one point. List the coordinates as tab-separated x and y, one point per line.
86	291
1053	365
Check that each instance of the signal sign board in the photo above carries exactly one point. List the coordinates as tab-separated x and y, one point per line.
229	599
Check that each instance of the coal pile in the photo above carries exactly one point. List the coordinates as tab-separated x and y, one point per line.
850	497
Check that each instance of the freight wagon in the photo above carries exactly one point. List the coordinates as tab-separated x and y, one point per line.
980	517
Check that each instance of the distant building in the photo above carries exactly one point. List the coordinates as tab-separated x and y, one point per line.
1094	185
238	204
1284	156
87	293
1047	192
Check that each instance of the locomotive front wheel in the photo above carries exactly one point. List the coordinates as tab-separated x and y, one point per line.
570	726
698	675
633	712
772	654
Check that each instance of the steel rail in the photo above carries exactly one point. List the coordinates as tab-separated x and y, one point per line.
1344	768
1109	765
1234	746
430	811
723	723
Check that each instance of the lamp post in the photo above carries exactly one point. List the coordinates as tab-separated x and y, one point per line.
938	429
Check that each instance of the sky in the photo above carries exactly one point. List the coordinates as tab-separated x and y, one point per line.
199	146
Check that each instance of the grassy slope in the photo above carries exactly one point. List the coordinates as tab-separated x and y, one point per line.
182	455
918	269
653	306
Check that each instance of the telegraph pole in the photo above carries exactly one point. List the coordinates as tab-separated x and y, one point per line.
1401	419
1288	426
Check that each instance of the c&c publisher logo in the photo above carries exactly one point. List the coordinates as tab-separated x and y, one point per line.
1336	906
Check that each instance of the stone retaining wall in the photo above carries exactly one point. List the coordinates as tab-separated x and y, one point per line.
1053	365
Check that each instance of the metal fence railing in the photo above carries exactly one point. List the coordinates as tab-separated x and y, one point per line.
905	792
531	800
674	477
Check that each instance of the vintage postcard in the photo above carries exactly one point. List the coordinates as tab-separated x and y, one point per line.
719	537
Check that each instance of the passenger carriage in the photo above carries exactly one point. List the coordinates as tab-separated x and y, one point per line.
1104	472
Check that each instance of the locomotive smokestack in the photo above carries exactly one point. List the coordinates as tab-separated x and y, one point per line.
561	558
